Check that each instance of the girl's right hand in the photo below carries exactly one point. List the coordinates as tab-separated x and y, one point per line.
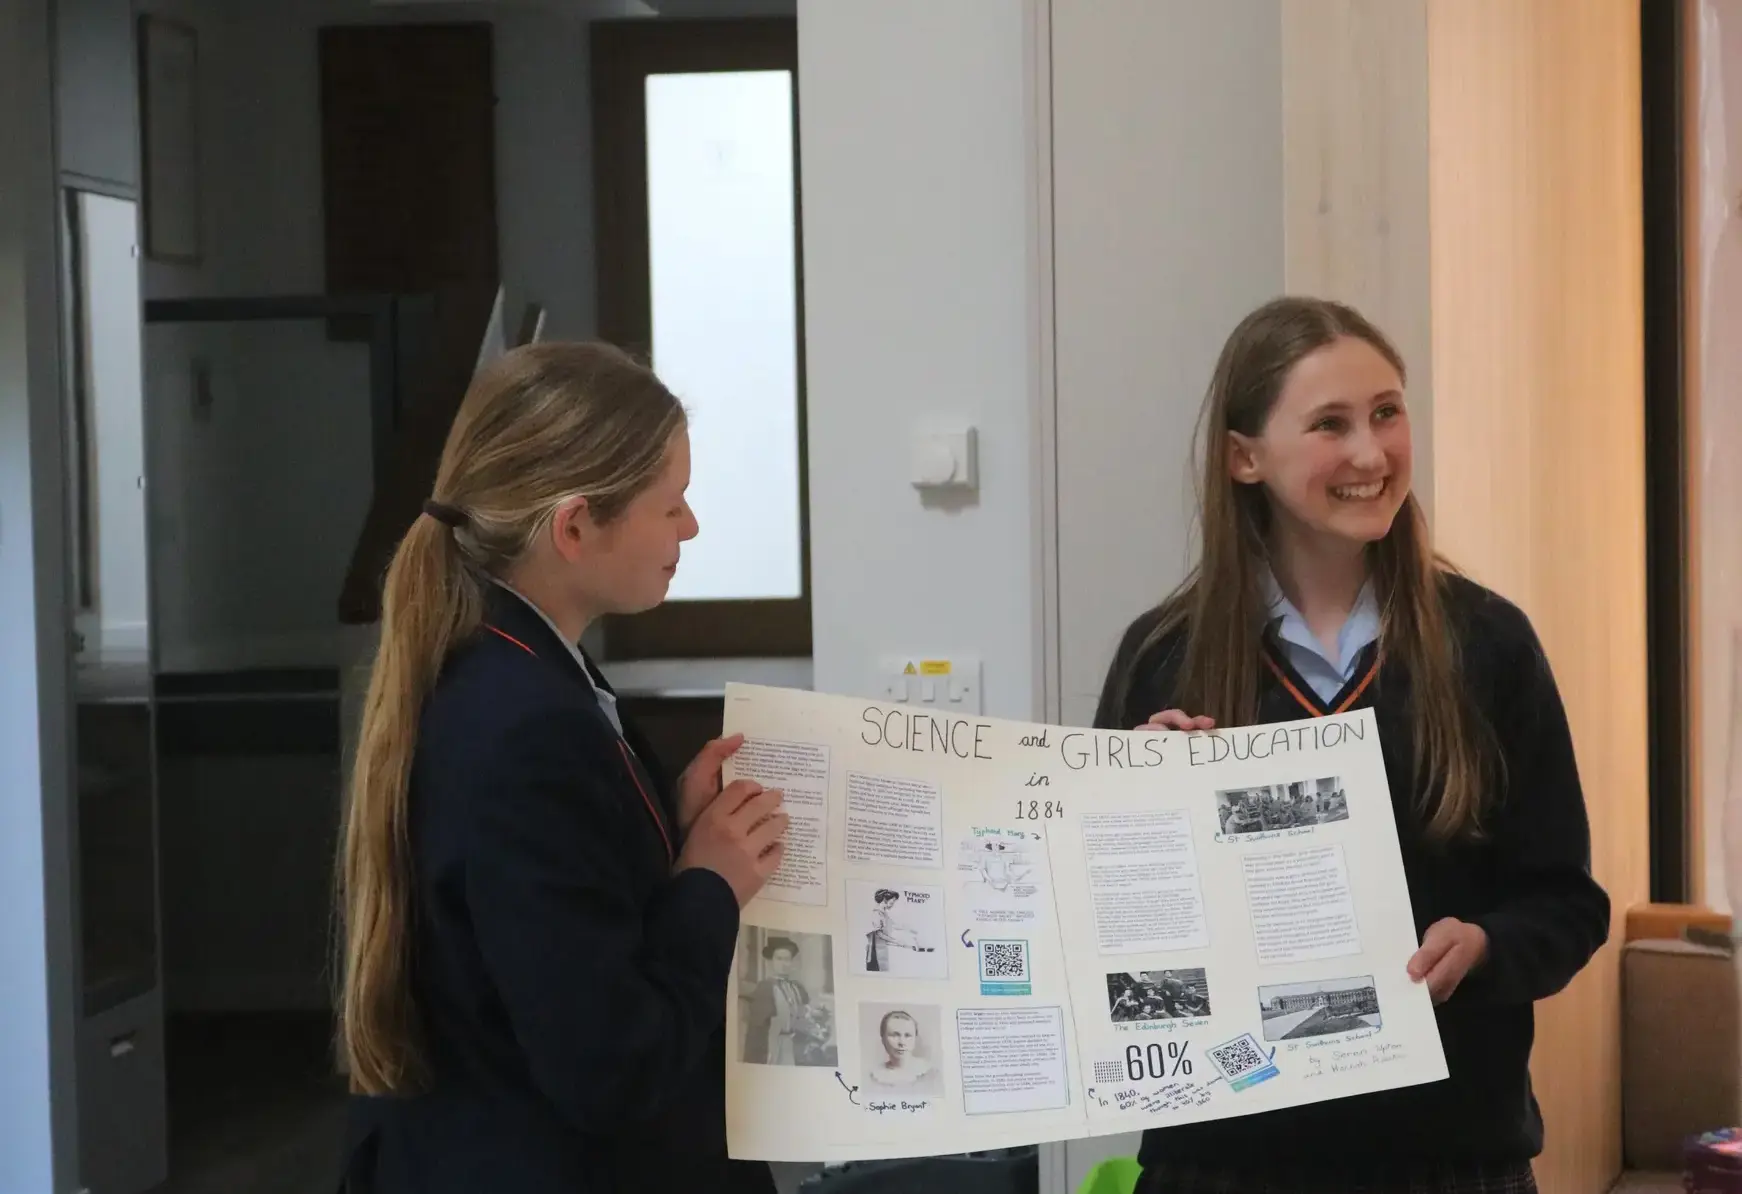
1175	719
738	837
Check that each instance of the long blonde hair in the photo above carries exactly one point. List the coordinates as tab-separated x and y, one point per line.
543	424
1222	605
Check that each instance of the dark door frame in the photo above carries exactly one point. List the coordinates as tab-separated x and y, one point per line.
624	54
1662	112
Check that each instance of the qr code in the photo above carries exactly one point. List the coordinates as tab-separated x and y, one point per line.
1239	1056
1007	960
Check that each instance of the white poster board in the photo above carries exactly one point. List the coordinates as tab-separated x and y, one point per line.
988	933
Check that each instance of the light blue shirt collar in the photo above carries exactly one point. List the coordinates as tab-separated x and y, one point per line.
1328	672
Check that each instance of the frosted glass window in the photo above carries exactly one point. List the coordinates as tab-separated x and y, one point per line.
108	466
724	285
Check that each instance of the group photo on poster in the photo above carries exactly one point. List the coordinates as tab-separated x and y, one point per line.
1292	805
1158	995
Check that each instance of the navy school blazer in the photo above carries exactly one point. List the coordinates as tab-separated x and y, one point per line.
572	988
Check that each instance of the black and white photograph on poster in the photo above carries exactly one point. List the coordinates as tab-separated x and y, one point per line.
1178	994
786	998
901	1045
1003	875
1270	807
897	929
1291	1011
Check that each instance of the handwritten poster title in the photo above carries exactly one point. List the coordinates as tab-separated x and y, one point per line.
919	732
1082	750
924	733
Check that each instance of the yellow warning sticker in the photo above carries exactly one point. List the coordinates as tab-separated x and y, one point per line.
934	667
910	670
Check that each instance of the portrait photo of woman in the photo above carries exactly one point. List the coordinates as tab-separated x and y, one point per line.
903	1054
786	990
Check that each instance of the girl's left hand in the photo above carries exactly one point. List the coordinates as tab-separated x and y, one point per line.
702	779
1177	719
1450	949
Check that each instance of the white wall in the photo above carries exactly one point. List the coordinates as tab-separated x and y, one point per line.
1168	206
924	181
37	1135
917	259
1167	179
917	172
249	551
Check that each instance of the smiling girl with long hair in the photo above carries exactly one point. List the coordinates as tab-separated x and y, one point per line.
1318	592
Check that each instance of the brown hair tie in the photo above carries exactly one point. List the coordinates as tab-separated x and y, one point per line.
450	516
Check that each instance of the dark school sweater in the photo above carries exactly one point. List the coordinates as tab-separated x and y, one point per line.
1527	883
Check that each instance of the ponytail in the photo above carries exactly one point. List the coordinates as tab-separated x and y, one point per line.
432	600
542	424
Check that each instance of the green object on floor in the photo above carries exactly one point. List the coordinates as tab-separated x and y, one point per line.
1115	1175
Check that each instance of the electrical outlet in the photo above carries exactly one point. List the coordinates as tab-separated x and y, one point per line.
950	682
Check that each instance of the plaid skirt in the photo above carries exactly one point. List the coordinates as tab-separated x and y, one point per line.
1186	1177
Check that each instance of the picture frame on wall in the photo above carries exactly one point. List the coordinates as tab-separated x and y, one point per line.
169	124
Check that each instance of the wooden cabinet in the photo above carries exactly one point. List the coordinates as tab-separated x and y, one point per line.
408	158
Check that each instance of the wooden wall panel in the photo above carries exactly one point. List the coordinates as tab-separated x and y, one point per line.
1713	280
1355	173
1468	173
1537	292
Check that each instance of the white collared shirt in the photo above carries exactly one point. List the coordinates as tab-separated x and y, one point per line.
607	700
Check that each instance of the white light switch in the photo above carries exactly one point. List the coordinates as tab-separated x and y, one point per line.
945	460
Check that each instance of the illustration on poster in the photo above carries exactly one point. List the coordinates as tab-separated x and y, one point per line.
999	863
902	926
